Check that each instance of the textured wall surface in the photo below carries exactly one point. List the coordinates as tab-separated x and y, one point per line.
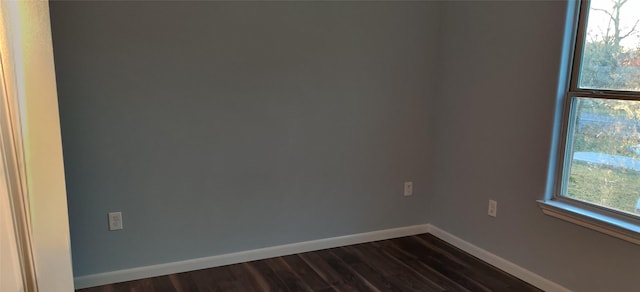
222	127
218	127
499	74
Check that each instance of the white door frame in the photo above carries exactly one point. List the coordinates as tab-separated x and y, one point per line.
32	148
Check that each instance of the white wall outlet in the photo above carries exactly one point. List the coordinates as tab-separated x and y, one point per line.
115	221
408	188
493	208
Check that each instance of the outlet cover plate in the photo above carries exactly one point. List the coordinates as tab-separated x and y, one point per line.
115	221
493	208
408	188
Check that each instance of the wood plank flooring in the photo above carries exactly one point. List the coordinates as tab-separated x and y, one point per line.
414	263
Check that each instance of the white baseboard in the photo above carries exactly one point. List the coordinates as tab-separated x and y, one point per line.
243	256
505	265
287	249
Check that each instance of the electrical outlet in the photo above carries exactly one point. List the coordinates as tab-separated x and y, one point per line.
115	221
408	188
493	208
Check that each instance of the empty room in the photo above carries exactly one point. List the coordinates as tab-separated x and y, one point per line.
321	145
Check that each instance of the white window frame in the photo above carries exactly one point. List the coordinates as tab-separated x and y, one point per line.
596	217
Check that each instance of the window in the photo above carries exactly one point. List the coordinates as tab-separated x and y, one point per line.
598	177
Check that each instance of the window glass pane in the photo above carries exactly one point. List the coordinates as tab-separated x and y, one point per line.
605	154
611	53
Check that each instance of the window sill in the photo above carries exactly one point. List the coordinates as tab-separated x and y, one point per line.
592	220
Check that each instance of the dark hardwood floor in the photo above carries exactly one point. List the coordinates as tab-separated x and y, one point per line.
414	263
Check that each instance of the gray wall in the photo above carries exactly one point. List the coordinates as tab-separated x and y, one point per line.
492	130
221	127
218	127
